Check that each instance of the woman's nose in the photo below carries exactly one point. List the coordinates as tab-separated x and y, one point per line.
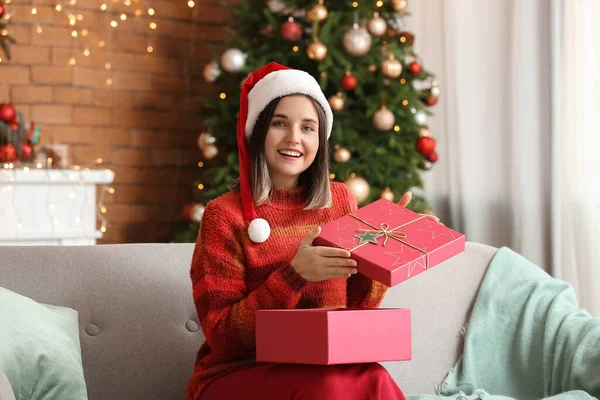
293	135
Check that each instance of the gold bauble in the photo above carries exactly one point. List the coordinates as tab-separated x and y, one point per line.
341	154
316	50
399	5
336	102
387	194
384	119
377	25
210	151
359	188
391	67
372	68
317	13
425	132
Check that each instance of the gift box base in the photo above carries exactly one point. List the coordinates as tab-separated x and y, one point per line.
333	336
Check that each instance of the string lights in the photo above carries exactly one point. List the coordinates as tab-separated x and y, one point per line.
117	12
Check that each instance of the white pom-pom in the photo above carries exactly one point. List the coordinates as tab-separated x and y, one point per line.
259	230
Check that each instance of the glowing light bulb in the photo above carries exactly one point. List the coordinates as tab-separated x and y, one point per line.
152	25
191	4
113	23
103	7
34	10
58	7
107	66
123	17
151	11
150	49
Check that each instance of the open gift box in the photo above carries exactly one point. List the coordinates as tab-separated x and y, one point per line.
390	243
333	336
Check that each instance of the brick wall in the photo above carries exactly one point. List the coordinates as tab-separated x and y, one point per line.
145	124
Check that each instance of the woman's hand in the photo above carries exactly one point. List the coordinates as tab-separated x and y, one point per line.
407	197
318	263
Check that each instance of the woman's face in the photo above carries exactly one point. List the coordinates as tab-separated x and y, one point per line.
292	140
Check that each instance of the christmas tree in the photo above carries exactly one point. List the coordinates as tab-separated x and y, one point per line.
5	39
362	55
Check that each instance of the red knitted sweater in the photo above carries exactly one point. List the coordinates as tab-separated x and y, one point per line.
232	277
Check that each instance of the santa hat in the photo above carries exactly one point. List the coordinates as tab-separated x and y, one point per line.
260	88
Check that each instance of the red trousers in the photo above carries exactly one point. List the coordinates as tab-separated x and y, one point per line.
306	382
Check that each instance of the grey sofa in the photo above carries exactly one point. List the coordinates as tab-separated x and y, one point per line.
139	330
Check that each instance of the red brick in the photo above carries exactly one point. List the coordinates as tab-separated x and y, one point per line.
112	98
112	136
21	33
144	194
131	156
25	109
86	155
164	138
164	176
52	74
153	101
69	134
92	116
52	114
51	36
191	104
4	94
62	57
30	55
71	95
209	33
136	213
161	157
24	15
90	78
14	75
31	94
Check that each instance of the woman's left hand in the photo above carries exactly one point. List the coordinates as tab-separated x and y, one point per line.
407	197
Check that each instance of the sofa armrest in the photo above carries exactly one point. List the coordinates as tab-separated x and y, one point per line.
6	392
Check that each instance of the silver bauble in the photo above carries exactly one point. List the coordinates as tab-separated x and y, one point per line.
211	71
233	60
421	118
357	41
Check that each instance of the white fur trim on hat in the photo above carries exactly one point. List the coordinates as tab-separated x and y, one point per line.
282	83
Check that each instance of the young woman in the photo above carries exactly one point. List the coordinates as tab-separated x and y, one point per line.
254	250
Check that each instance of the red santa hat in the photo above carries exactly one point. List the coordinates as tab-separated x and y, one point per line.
260	88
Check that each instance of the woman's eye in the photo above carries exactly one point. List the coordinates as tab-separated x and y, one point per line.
278	123
309	128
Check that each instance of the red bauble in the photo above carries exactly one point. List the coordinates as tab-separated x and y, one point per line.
26	151
186	212
291	31
349	82
7	153
414	68
7	113
426	145
432	157
1	10
430	100
14	125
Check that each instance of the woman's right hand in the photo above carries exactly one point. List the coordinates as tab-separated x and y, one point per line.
318	263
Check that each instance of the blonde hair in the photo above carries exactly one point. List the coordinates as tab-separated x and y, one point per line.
314	181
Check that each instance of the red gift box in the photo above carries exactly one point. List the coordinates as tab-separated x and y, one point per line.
333	336
390	243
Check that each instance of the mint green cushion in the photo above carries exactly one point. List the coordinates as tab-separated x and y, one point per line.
39	349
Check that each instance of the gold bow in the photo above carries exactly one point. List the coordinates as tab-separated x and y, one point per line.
384	230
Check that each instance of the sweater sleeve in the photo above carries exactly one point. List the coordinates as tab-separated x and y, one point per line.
361	291
225	308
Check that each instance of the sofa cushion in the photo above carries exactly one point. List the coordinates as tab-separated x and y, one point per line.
39	349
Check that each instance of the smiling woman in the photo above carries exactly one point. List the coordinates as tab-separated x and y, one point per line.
295	150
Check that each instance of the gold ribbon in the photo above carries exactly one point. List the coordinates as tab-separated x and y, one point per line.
389	233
